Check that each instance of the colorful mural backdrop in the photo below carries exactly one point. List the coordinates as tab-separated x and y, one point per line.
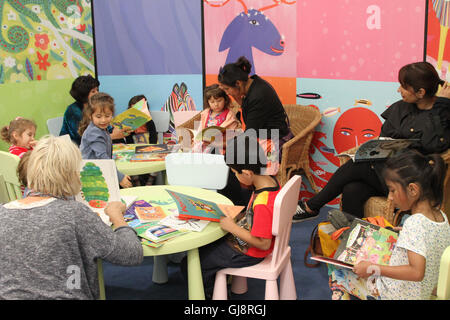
358	40
45	40
349	54
438	52
264	31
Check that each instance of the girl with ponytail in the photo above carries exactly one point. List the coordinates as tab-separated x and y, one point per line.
415	183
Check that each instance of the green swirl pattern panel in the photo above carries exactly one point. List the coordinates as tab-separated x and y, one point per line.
45	40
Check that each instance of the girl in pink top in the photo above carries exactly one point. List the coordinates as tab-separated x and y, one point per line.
217	112
20	134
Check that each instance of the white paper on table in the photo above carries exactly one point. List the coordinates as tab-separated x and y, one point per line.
179	224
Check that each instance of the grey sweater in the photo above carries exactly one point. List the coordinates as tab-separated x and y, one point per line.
51	251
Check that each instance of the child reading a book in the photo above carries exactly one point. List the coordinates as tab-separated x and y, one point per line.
20	134
95	140
250	239
217	112
415	183
138	135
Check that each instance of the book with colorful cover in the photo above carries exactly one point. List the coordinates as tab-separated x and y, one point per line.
152	148
363	242
132	118
158	233
148	214
146	157
191	207
99	185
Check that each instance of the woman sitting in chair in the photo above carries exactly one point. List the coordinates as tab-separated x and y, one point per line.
51	241
421	114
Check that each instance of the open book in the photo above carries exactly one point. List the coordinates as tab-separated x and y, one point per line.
379	149
133	117
190	207
364	241
99	185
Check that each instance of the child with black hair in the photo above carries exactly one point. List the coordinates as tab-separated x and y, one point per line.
149	127
82	89
415	183
250	239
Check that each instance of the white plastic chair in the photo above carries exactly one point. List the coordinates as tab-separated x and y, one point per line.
202	170
54	125
278	263
161	120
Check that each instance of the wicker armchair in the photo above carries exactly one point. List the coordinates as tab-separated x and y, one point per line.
295	152
376	206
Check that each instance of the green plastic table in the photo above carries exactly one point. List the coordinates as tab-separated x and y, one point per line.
189	242
137	168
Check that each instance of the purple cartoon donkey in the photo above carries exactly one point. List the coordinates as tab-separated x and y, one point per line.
251	28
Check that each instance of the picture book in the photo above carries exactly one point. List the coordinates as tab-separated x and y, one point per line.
158	233
142	106
142	157
379	149
213	133
174	222
130	215
191	207
99	185
131	119
152	148
147	214
363	242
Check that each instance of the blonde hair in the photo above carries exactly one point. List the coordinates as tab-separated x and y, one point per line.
53	167
99	100
18	125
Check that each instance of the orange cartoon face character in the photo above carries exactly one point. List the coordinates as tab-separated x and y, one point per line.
355	126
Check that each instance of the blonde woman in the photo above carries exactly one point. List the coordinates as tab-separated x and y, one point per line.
51	241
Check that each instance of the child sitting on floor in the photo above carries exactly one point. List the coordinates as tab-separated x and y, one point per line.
415	183
217	112
96	142
20	134
250	239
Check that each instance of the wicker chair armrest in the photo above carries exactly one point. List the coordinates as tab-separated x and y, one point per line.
344	157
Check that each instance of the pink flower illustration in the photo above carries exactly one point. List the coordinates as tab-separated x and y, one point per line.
41	41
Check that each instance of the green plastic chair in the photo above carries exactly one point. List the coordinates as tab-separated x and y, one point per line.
101	280
10	185
443	287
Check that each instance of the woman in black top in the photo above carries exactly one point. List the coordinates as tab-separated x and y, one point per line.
421	114
261	108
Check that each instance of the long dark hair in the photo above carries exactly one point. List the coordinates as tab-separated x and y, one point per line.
428	171
232	72
420	75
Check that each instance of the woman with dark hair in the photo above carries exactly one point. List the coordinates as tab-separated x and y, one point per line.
261	111
422	114
82	89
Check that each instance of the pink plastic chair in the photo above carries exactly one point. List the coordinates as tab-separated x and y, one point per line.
277	264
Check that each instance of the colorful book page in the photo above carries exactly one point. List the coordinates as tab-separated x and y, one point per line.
191	207
143	157
142	106
147	214
367	242
155	148
131	119
158	233
99	185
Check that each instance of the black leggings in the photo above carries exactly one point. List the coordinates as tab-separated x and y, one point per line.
357	181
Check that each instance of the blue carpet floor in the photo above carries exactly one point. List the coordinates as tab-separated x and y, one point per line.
135	283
